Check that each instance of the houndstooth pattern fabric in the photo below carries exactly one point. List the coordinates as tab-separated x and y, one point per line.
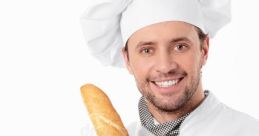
166	129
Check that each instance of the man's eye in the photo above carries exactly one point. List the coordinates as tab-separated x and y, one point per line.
146	50
180	47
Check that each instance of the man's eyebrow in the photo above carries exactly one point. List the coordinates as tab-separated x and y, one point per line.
143	43
174	40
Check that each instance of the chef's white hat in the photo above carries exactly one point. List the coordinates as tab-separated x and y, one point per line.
108	24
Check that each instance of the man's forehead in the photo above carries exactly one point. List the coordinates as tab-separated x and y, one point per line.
169	30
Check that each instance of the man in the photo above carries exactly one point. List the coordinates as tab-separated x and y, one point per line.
165	44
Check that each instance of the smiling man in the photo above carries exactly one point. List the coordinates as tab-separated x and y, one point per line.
166	60
164	44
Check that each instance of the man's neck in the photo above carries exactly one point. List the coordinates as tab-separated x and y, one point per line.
162	116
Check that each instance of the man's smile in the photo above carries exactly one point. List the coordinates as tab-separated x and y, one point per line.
166	85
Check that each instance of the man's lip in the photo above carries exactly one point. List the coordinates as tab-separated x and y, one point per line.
167	79
163	80
165	88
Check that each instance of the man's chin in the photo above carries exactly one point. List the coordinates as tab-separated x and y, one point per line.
168	104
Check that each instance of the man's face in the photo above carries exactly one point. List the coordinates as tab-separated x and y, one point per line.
166	60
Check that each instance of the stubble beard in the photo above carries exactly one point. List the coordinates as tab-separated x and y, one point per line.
175	103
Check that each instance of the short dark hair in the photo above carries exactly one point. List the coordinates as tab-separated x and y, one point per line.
201	35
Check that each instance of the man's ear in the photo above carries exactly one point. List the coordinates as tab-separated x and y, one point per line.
125	55
205	50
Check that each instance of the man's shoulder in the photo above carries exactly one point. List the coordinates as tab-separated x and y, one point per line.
240	118
216	118
220	120
220	113
240	123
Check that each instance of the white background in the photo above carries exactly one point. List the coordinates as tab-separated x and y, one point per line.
44	61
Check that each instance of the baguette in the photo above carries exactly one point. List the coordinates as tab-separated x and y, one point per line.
104	117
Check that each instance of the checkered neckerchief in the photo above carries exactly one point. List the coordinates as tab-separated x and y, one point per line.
166	129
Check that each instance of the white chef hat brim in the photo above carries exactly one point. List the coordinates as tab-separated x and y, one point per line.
108	24
159	11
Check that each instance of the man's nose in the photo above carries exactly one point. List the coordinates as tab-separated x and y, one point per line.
165	63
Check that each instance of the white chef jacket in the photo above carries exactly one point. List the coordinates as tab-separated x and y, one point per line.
210	118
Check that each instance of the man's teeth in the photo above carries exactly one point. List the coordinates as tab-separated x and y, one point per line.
167	83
